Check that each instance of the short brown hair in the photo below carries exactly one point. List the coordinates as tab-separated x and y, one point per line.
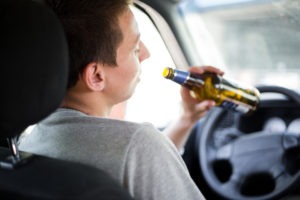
92	31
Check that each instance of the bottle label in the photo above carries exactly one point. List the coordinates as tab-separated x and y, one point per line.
236	107
181	76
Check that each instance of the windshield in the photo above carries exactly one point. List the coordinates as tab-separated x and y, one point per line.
253	41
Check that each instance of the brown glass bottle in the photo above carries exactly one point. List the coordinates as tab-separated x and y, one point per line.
225	93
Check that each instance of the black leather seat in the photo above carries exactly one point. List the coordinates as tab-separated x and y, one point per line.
33	63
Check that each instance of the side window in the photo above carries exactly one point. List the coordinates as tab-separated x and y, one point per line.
156	99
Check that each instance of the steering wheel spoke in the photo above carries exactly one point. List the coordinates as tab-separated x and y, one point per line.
232	186
225	152
283	179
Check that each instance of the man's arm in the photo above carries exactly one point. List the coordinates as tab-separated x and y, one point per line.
192	110
155	170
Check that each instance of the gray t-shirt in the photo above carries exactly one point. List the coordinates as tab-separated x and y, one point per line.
140	158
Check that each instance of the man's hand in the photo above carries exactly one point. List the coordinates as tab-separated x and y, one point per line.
192	108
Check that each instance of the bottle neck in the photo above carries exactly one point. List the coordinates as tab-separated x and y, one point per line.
184	77
196	81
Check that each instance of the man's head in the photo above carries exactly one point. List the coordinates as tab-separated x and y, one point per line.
92	30
105	52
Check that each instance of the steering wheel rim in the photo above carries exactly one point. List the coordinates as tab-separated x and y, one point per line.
231	186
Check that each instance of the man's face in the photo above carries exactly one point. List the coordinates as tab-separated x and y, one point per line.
123	79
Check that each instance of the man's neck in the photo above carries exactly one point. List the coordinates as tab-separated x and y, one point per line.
87	103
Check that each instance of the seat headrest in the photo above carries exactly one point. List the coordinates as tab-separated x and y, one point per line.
33	63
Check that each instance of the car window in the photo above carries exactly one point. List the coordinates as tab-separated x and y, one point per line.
156	99
253	41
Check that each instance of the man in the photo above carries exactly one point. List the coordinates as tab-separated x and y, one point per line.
106	52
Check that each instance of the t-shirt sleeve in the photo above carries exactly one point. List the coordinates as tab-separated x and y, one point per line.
154	169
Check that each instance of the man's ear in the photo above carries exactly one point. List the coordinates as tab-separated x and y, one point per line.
93	76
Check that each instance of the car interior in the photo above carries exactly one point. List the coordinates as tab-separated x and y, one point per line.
34	66
230	156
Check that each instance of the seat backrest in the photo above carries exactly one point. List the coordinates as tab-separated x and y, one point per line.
34	65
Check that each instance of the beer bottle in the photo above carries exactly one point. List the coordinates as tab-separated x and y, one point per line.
212	86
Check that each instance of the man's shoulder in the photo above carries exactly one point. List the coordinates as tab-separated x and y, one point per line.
71	121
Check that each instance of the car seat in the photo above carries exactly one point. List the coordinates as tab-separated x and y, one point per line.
34	66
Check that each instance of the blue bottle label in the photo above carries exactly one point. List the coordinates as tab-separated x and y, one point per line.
181	76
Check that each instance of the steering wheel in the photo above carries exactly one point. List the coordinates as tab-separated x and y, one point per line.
248	165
